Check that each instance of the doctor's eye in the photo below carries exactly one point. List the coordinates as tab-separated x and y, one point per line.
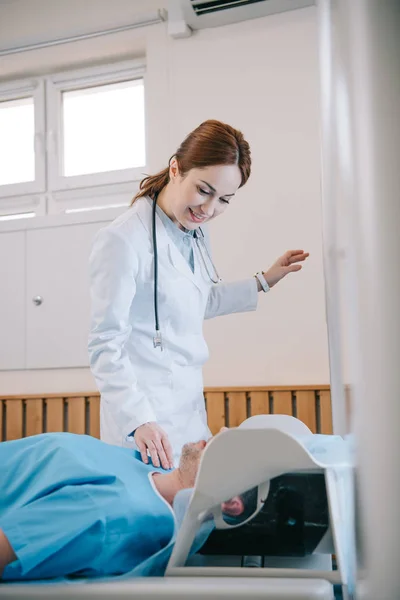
203	191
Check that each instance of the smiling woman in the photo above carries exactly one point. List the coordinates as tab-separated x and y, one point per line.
155	256
206	171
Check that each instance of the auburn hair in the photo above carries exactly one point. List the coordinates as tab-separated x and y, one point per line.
211	143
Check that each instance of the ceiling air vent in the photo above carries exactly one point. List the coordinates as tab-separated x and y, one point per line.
206	7
185	16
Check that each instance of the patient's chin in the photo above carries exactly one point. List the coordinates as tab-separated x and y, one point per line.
189	463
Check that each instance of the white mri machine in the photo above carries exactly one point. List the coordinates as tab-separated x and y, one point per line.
318	502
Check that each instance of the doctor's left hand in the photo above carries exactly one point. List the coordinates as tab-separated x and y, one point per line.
288	263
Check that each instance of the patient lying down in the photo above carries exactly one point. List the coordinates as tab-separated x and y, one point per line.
73	505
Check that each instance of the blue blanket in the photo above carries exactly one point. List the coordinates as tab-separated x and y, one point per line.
72	505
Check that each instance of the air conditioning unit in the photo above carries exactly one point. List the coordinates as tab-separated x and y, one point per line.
185	16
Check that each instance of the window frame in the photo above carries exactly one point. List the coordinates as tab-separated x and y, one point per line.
18	90
76	80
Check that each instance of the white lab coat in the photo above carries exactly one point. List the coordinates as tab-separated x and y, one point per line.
139	383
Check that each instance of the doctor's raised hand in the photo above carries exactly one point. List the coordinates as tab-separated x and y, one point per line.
154	281
288	263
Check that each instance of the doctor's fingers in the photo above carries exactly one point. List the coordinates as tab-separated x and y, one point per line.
143	451
293	256
291	269
157	454
168	451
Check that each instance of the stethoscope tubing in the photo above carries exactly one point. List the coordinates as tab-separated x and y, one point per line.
157	340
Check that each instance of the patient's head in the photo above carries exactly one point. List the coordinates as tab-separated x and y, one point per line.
242	506
169	484
190	460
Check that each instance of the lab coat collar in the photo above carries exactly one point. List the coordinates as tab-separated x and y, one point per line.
164	242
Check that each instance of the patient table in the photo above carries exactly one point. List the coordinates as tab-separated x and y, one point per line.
306	516
284	552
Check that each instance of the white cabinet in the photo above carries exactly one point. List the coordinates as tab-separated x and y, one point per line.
12	300
57	295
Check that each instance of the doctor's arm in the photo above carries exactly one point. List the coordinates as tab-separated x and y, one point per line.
241	296
113	273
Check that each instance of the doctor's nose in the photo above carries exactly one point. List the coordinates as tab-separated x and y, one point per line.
208	208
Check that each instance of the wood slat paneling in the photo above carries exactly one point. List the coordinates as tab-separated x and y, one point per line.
76	415
14	426
263	388
47	396
259	403
82	408
215	411
237	413
306	409
34	416
94	416
2	403
282	403
325	412
54	414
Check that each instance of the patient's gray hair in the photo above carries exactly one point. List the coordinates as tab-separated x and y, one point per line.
249	500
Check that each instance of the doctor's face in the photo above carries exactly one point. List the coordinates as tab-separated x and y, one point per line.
202	194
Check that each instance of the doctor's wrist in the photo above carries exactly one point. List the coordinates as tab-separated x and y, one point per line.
262	283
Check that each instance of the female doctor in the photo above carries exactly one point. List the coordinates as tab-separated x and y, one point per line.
153	282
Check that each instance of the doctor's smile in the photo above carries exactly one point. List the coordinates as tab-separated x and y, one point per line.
158	254
196	217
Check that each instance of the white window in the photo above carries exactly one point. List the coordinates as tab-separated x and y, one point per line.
91	152
96	127
22	130
17	133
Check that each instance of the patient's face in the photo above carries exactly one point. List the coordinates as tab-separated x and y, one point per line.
189	462
189	465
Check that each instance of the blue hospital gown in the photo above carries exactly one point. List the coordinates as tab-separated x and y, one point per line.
73	505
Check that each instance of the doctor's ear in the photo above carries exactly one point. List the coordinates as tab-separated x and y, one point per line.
173	169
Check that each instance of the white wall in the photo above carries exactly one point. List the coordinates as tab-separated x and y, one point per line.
260	76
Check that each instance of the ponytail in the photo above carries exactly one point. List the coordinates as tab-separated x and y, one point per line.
152	185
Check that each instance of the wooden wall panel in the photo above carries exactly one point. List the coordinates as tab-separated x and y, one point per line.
80	413
282	402
325	412
2	404
259	403
34	416
306	409
215	402
237	408
14	419
94	416
77	415
54	414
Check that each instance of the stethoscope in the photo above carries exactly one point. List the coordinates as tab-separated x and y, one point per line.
203	250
